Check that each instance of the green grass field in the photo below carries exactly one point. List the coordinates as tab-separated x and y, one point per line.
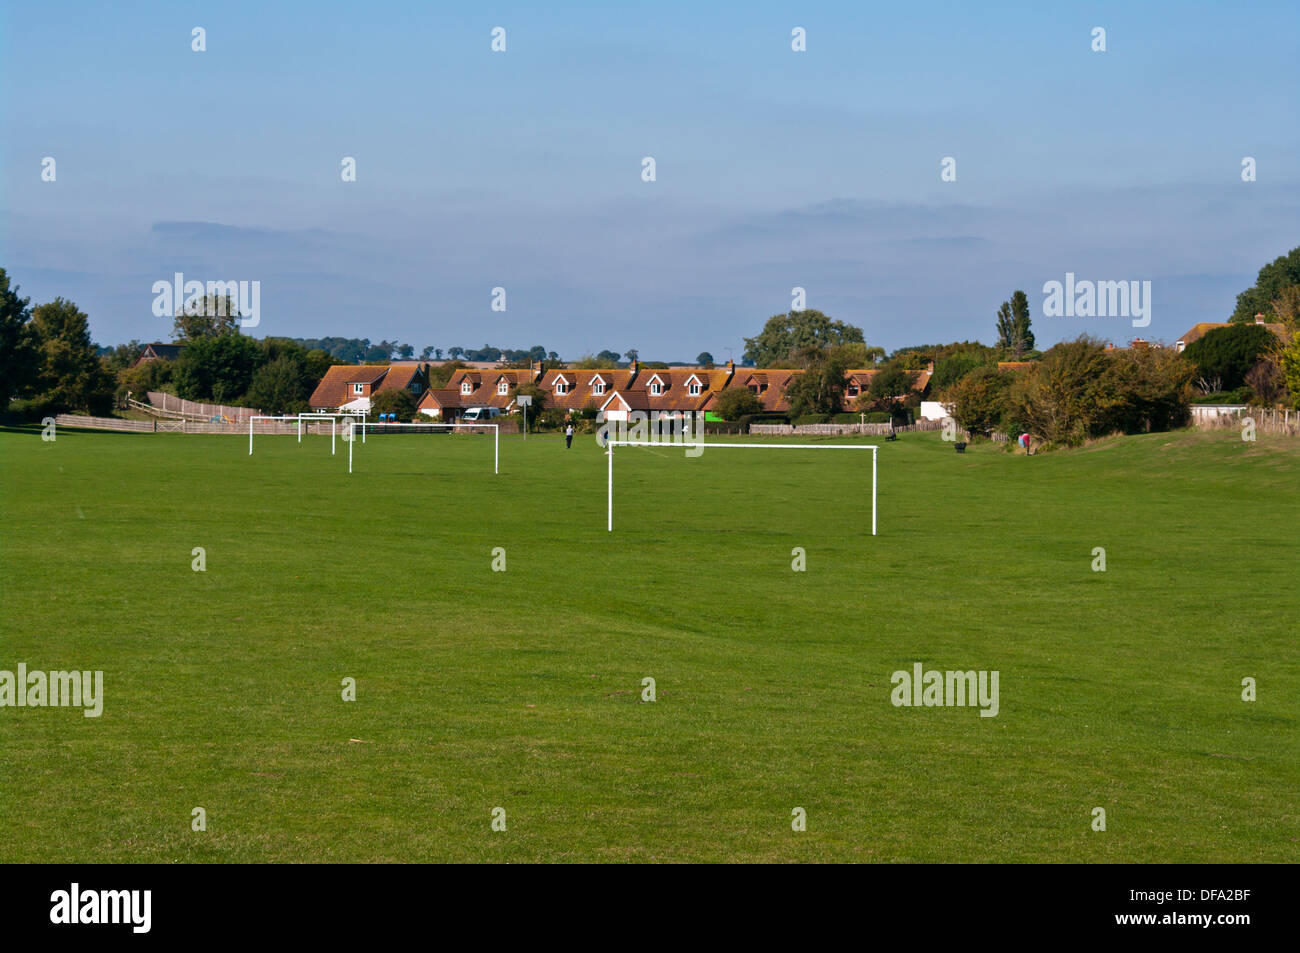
521	689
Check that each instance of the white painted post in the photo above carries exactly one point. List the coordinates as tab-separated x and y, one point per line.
352	431
333	430
873	491
250	436
609	452
496	449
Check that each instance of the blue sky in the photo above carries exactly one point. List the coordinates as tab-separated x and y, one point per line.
522	169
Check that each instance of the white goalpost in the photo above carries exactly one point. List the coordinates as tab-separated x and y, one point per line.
666	445
332	418
350	436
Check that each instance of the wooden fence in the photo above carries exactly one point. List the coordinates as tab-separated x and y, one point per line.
871	430
1277	423
191	426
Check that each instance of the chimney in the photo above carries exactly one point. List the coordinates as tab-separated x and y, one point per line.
633	367
731	367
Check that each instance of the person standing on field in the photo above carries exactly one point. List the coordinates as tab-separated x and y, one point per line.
568	436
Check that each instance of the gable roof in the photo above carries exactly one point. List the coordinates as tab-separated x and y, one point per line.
334	388
159	352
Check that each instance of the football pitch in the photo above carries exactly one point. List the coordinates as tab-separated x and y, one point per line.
524	689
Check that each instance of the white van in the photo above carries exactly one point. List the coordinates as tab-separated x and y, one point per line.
478	415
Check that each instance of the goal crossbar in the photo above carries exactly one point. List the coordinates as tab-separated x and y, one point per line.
350	435
294	417
334	423
672	445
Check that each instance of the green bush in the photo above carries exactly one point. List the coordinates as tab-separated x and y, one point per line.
812	419
878	417
1242	395
34	408
393	401
768	418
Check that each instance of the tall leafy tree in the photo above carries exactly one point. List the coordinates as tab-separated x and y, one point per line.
1223	356
820	388
1013	325
217	369
207	317
704	358
70	374
17	343
787	336
277	387
1270	286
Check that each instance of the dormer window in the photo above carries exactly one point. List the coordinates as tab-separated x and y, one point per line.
853	390
415	387
561	386
694	387
503	388
656	388
466	387
358	388
598	387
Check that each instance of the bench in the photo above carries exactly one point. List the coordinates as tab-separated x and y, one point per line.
960	446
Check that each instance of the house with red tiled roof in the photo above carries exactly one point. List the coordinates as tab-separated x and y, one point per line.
669	391
477	387
351	386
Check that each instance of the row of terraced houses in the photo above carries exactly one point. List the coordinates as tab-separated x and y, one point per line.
616	392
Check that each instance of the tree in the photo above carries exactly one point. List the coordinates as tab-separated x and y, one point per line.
394	400
979	400
1270	286
137	381
1227	354
890	388
704	358
17	343
538	394
820	388
456	353
608	355
277	387
1267	380
405	352
785	336
69	373
218	369
1070	395
1290	359
209	316
735	402
589	363
440	375
630	354
1013	325
118	359
949	370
